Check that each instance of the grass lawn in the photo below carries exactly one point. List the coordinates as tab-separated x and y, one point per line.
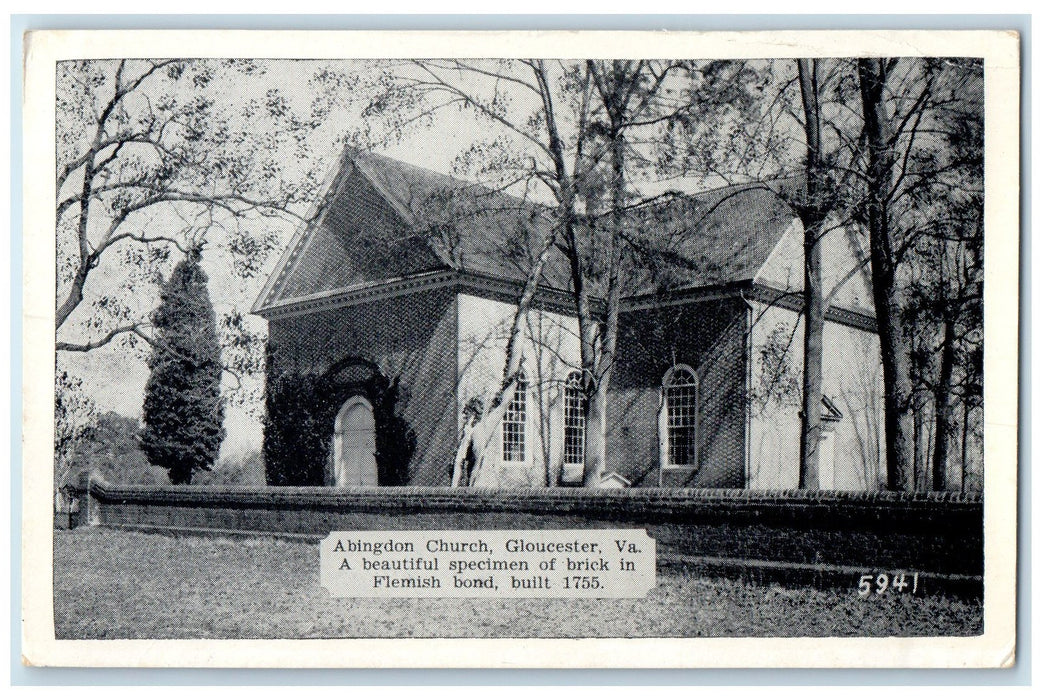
112	584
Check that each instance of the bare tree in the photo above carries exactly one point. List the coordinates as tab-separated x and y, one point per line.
628	94
74	416
154	156
539	110
812	213
897	377
536	146
914	187
639	104
785	130
479	429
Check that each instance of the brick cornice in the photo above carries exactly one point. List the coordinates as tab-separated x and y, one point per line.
553	299
360	294
793	301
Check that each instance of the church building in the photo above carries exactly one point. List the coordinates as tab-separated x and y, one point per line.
388	316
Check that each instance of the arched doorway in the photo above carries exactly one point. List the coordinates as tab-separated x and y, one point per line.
354	444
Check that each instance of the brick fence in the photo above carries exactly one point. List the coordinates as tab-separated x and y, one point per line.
786	536
317	510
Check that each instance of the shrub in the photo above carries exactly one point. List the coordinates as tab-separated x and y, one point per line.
301	409
240	470
113	450
183	409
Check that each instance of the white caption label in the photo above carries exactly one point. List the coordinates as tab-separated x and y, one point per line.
489	564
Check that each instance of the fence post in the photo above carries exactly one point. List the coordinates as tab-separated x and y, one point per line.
89	507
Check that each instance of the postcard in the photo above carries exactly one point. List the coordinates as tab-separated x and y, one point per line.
520	349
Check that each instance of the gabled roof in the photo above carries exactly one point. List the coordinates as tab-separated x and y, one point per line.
382	219
717	237
472	227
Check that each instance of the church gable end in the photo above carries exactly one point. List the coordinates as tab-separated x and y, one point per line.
358	236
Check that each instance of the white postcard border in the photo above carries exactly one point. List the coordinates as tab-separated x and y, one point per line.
1002	89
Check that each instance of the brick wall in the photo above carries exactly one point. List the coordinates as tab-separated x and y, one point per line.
411	339
708	336
317	510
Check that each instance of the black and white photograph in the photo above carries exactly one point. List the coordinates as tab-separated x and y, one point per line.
564	336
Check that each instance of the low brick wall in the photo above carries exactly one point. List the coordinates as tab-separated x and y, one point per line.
317	510
941	533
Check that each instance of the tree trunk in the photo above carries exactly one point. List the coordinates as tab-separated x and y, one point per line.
588	349
965	430
593	453
812	214
942	409
595	448
810	426
894	346
595	457
460	474
919	447
898	427
477	437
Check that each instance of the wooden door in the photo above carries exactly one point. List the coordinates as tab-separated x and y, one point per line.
355	441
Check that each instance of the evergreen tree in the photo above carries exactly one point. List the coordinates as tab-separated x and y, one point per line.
183	411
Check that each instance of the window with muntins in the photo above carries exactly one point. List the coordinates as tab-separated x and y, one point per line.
514	421
682	417
574	420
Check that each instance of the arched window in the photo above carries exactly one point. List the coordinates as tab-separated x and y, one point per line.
679	421
574	419
514	422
